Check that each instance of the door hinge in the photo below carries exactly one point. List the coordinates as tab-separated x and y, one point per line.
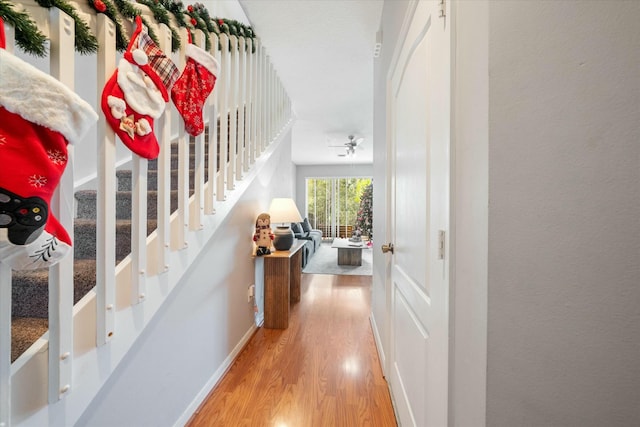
441	237
442	7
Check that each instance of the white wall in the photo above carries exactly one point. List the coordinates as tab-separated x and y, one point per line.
564	209
470	139
326	171
206	317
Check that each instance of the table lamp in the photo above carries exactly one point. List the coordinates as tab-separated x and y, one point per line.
283	211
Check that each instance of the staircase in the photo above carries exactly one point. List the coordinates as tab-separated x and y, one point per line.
30	291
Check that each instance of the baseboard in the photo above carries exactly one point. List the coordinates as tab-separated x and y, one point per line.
215	378
377	339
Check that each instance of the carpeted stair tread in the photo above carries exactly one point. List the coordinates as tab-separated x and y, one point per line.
124	180
24	332
30	291
125	183
85	237
87	204
175	161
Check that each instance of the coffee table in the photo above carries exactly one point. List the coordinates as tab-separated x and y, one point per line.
349	253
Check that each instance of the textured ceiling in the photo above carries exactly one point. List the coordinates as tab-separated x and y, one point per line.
322	51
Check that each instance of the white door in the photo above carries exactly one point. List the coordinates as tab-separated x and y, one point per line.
419	138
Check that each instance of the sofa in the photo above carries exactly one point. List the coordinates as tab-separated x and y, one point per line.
303	231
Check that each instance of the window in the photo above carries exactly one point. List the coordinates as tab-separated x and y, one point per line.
333	203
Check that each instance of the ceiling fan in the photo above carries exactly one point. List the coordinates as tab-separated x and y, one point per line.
350	146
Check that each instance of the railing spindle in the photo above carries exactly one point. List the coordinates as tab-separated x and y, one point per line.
5	307
240	102
224	116
211	108
139	229
183	164
62	60
106	197
5	345
232	96
250	155
198	175
163	132
257	101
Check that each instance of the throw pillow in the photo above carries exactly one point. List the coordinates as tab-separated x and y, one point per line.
295	227
305	225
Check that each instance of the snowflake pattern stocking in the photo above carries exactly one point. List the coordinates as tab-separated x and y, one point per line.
39	116
137	93
193	87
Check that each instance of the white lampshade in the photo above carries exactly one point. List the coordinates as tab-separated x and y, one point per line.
283	210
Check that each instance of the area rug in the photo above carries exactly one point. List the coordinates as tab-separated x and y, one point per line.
325	261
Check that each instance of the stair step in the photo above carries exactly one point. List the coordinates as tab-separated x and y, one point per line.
84	242
175	160
125	183
30	291
24	332
87	204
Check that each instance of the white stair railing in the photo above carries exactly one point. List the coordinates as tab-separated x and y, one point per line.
251	108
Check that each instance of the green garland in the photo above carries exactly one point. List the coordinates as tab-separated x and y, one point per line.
162	16
198	22
176	7
106	7
130	12
232	27
28	36
85	42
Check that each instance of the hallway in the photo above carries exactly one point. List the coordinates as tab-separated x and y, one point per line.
321	371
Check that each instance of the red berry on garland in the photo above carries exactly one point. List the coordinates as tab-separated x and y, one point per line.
190	8
194	22
100	6
220	22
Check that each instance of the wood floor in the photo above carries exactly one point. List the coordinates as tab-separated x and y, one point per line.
321	371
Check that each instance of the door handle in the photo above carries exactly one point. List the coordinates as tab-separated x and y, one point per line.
387	248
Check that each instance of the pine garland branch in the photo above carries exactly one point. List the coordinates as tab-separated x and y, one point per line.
162	15
85	42
28	36
199	23
232	27
177	9
130	12
106	7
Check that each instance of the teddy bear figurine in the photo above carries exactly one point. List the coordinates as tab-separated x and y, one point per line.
263	235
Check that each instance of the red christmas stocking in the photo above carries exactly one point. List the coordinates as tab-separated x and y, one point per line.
38	117
137	93
193	87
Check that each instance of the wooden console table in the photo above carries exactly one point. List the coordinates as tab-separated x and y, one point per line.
282	276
